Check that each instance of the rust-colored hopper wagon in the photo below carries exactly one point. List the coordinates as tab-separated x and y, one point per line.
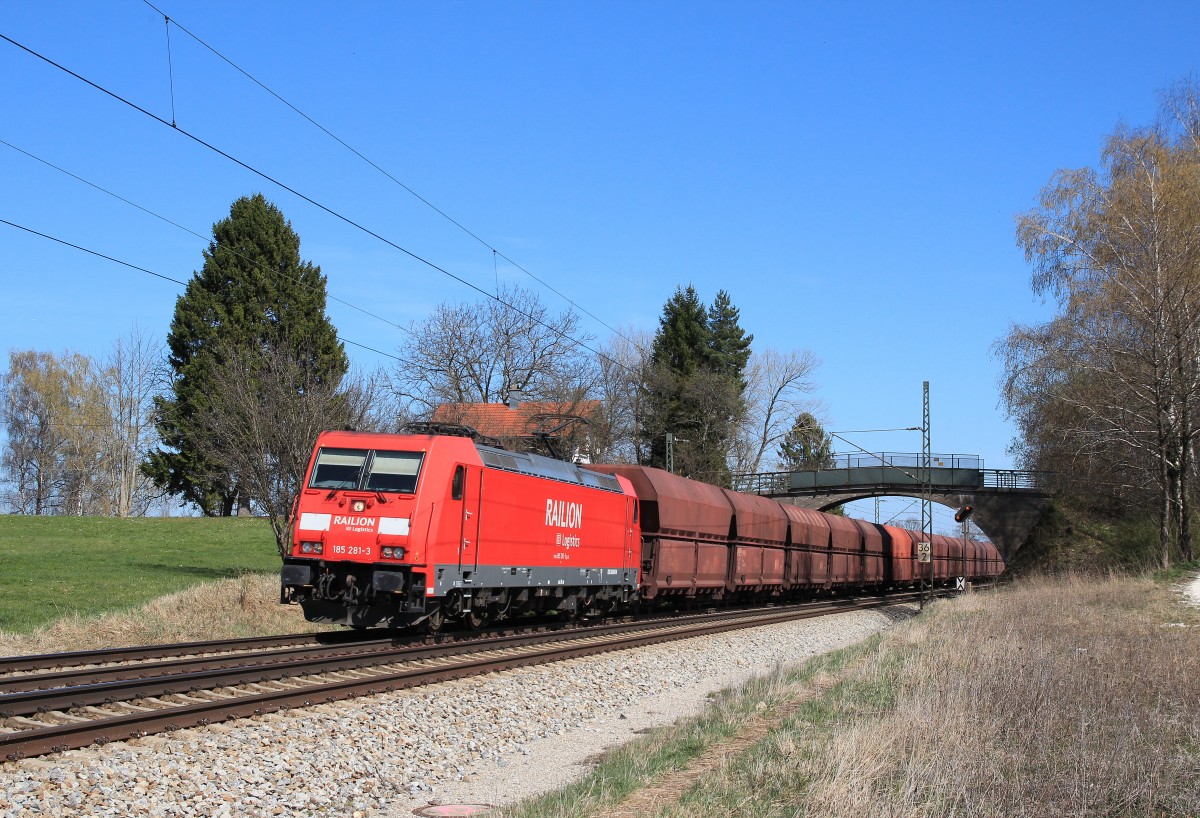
873	536
685	532
757	541
809	557
846	552
902	563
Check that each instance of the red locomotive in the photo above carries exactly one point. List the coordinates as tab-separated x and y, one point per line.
395	530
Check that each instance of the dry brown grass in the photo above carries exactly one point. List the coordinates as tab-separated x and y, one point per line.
1069	697
1064	697
232	608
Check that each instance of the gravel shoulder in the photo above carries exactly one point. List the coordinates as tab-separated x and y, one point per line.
493	739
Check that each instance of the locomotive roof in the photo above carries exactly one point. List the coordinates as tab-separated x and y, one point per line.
547	467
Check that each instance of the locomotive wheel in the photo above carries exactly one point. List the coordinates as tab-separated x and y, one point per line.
475	619
435	621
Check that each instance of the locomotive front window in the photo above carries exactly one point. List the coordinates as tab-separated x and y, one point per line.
394	471
338	469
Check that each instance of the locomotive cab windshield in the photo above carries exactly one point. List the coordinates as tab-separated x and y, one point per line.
366	470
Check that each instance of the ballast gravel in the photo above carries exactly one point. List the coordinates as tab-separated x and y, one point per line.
488	740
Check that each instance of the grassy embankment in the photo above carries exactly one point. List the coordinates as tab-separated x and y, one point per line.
1072	697
74	583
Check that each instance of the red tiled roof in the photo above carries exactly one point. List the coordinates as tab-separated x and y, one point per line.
498	420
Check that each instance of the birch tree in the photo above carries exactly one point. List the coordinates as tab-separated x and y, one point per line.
131	376
54	416
1114	378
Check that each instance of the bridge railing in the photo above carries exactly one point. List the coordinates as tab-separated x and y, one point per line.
1017	479
878	477
902	460
772	482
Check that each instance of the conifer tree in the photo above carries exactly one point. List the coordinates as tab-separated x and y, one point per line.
695	385
253	297
729	345
806	446
683	337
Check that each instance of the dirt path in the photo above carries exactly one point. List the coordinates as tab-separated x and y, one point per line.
667	789
1191	591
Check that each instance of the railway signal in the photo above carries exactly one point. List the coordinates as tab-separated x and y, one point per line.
963	514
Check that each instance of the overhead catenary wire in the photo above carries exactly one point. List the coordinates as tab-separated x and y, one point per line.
170	67
133	266
330	211
905	472
192	232
385	173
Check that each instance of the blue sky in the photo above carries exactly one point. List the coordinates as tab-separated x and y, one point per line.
849	172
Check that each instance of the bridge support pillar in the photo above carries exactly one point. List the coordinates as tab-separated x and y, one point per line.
1008	517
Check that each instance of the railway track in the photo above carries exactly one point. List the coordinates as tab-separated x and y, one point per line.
66	701
107	656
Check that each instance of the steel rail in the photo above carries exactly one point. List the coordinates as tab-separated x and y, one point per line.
361	642
78	658
42	663
98	675
82	732
23	695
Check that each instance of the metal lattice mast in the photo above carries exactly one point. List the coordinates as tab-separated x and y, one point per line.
926	477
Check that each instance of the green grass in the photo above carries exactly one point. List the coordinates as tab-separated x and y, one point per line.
55	566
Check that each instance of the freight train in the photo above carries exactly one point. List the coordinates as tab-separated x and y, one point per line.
399	530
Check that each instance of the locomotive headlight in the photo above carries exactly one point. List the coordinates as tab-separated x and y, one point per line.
311	548
392	552
386	552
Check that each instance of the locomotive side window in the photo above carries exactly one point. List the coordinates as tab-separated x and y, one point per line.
456	485
394	471
338	469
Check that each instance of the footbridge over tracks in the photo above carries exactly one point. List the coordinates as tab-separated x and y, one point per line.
1007	503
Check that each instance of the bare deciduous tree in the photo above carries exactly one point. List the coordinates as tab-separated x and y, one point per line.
482	352
131	376
779	386
263	419
621	374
